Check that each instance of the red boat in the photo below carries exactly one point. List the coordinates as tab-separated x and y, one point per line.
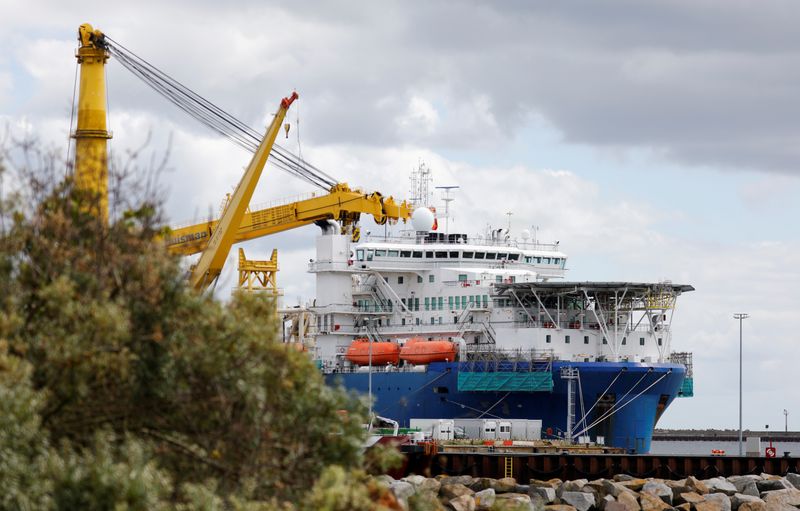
382	353
420	351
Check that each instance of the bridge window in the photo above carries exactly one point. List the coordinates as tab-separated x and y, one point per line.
441	254
429	254
431	278
405	253
453	255
480	255
380	253
502	256
585	339
468	255
498	278
556	260
513	257
419	279
566	339
462	277
417	254
641	341
528	259
491	255
538	260
360	255
394	253
547	338
400	279
369	255
546	260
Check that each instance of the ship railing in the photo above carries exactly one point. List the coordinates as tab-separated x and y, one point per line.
479	359
484	242
391	368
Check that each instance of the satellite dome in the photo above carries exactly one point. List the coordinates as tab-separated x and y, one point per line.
526	234
422	219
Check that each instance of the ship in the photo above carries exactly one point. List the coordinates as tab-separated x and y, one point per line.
434	324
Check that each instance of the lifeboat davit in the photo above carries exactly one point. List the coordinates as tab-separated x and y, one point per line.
382	353
420	351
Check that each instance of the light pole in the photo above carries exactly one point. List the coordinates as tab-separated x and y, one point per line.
786	420
740	316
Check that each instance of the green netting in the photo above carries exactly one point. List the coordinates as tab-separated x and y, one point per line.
533	381
687	388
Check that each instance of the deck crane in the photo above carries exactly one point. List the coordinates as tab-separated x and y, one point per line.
213	239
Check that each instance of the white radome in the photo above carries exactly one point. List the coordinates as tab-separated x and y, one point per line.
526	234
422	219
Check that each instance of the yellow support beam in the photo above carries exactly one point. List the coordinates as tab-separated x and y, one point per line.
91	135
209	267
342	203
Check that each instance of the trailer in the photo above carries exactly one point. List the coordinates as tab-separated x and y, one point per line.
480	429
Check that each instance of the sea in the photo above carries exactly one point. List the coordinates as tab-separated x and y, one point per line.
731	448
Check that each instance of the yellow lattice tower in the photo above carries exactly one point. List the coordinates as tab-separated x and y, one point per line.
260	276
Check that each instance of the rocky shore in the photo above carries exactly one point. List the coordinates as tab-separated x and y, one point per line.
622	493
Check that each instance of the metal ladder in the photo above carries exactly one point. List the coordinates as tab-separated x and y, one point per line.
509	466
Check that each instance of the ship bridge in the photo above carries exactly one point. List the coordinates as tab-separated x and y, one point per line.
614	309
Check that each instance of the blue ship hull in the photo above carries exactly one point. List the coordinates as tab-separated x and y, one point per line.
637	396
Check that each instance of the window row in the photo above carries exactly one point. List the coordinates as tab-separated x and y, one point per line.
371	254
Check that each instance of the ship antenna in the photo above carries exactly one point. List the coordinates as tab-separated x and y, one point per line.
447	200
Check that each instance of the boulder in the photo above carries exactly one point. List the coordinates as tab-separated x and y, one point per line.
402	490
559	507
481	483
794	479
385	480
691	497
629	500
758	505
452	491
650	502
504	485
741	481
425	500
634	484
623	477
677	490
724	500
552	483
781	499
465	480
429	485
697	485
770	485
571	486
658	489
604	501
484	498
579	500
462	503
737	499
721	485
684	507
676	483
613	505
522	488
547	494
708	505
414	479
614	489
517	499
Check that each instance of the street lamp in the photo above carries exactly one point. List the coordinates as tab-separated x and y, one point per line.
786	419
740	316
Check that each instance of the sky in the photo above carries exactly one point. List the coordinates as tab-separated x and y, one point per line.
655	140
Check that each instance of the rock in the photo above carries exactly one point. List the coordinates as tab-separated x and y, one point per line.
724	500
414	479
697	485
658	489
579	500
522	488
552	483
513	501
741	481
484	498
462	503
604	501
425	501
677	490
634	484
481	483
751	489
721	485
781	499
758	505
465	480
559	507
547	493
709	505
629	500
794	479
504	485
650	502
614	489
770	485
385	480
623	477
571	486
613	505
691	497
737	499
402	490
684	507
430	485
674	484
452	491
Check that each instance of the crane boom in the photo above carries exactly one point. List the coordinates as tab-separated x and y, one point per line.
213	257
342	203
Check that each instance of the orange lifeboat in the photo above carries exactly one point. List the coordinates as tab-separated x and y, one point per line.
382	353
419	351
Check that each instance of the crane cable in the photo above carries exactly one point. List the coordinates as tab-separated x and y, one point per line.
214	117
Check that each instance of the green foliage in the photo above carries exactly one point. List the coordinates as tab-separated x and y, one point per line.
152	393
339	489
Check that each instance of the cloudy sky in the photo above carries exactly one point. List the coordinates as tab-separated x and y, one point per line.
654	140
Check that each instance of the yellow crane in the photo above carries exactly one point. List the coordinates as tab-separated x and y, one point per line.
213	239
